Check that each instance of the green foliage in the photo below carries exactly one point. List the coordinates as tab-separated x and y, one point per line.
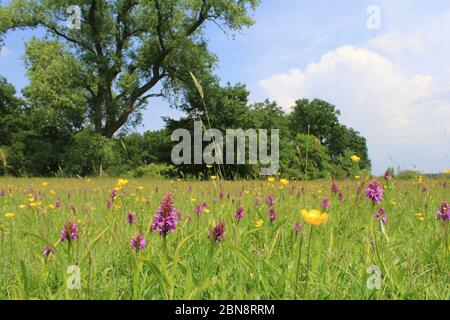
305	158
321	119
408	174
88	154
154	170
123	54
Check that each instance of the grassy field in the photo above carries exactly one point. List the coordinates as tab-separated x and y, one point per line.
260	256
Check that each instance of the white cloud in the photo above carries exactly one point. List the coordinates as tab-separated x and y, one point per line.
396	44
392	109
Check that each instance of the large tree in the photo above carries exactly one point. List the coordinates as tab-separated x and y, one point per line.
321	119
125	52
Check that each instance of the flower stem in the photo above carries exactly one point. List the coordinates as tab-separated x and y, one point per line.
309	256
298	264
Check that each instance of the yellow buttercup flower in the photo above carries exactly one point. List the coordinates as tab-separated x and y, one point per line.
420	216
259	223
355	158
271	179
193	200
213	177
447	171
357	177
22	206
314	217
122	182
209	166
44	184
9	215
284	182
206	211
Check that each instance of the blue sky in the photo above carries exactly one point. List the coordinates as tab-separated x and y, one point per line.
392	84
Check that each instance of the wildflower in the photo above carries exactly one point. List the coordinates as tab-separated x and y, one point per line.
199	209
284	182
114	193
271	179
298	228
381	214
69	232
334	187
218	232
374	191
257	201
239	214
314	217
355	158
357	177
138	242
425	189
272	215
444	212
44	184
58	204
387	175
447	171
166	217
209	166
22	206
9	215
131	217
420	216
341	197
213	178
122	182
109	204
259	223
47	251
325	204
2	193
270	201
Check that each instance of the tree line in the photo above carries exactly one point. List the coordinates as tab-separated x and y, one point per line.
88	88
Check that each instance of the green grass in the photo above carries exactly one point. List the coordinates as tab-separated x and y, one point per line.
251	262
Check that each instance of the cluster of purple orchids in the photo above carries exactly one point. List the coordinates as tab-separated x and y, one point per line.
166	218
375	192
69	232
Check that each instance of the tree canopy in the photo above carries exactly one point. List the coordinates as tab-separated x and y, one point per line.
124	53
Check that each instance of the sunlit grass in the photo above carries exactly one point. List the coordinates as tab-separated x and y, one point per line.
257	259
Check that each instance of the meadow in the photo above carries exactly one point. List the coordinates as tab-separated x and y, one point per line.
223	240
